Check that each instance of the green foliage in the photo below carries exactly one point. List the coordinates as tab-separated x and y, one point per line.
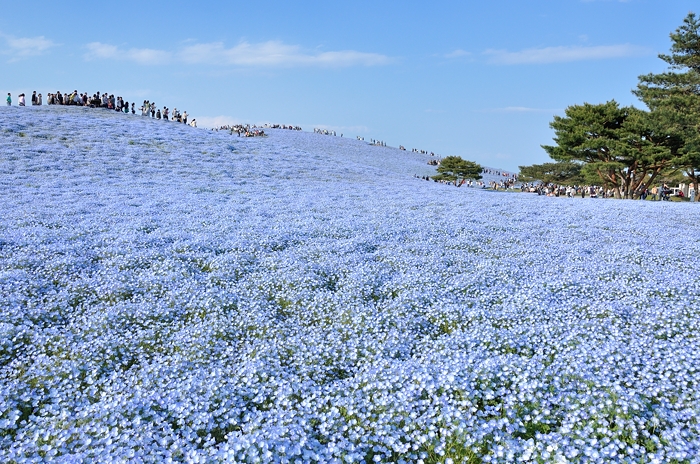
685	50
454	168
625	148
618	146
561	173
674	97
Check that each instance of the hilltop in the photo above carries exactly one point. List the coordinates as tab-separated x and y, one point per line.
177	293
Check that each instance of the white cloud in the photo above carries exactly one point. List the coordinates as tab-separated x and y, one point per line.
564	54
98	50
275	53
459	53
264	54
20	47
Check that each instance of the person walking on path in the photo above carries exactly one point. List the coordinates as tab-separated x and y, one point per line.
9	99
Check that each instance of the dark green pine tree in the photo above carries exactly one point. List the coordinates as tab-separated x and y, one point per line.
613	144
454	169
562	173
674	97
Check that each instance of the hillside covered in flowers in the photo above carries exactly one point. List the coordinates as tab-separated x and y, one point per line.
177	294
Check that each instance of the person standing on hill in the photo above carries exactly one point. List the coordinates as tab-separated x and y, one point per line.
9	99
184	117
34	98
21	100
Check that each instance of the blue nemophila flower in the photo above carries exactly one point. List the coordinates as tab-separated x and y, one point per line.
305	299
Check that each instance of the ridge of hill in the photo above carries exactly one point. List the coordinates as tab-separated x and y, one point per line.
83	128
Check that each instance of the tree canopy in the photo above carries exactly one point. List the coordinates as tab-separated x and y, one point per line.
617	145
625	148
674	97
561	173
454	169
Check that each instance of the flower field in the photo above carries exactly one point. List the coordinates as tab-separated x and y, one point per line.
176	294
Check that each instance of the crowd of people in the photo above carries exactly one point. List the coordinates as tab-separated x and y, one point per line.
571	191
504	184
106	101
282	126
245	130
463	182
422	152
660	193
326	132
495	172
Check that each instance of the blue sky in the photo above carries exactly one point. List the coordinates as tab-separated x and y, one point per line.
480	80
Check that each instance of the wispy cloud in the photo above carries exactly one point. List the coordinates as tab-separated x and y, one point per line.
564	54
98	50
275	53
459	53
523	109
245	54
22	47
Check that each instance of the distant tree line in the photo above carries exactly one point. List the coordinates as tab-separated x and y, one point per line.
628	149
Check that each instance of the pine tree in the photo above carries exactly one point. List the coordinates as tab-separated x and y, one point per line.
562	173
674	98
614	144
454	168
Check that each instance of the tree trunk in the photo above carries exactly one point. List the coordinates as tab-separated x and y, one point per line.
653	176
